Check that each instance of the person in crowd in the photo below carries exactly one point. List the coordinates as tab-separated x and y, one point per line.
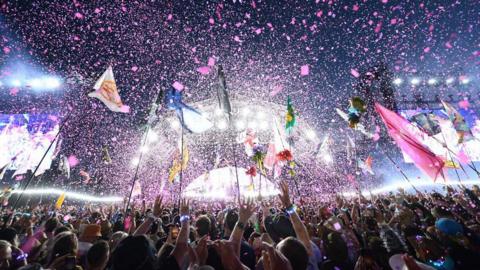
390	231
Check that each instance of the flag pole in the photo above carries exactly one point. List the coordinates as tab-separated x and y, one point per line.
401	171
40	162
145	136
181	162
451	158
151	116
236	170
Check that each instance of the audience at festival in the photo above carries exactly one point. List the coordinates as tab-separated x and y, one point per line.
391	231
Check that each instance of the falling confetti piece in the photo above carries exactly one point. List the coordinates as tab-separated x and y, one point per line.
178	86
211	62
203	70
304	70
134	68
354	73
73	161
78	15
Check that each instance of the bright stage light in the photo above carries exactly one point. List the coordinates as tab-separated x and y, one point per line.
263	125
260	115
397	81
310	134
450	80
144	149
327	158
245	111
464	80
35	83
240	124
218	112
252	124
174	123
222	124
415	81
135	161
152	136
432	81
69	195
16	83
51	82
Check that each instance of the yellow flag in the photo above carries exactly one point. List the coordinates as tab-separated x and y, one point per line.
60	200
451	164
178	165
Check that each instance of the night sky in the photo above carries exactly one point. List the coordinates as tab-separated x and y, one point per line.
262	46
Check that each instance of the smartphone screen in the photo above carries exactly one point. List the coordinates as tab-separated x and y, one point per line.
174	232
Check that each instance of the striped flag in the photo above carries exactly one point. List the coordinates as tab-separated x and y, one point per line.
107	92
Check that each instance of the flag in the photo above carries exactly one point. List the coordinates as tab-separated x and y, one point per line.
153	110
64	166
360	127
137	189
401	131
190	119
275	146
177	164
426	123
366	166
451	164
3	169
105	155
249	140
323	150
60	201
222	94
107	92
350	145
289	116
458	122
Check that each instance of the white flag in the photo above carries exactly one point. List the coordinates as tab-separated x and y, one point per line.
106	90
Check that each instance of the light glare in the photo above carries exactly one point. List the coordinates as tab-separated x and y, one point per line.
432	81
415	81
398	81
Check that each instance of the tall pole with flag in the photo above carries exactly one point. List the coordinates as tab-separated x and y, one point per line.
151	118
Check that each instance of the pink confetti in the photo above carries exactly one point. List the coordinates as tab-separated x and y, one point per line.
376	137
78	15
354	73
426	49
464	104
211	62
237	39
276	89
73	161
203	70
393	21
319	13
355	8
384	1
448	45
211	21
97	10
378	28
258	31
6	50
169	17
14	91
304	70
178	86
134	68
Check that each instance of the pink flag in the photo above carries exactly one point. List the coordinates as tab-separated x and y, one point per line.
401	131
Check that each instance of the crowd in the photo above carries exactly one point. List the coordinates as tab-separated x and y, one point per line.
391	231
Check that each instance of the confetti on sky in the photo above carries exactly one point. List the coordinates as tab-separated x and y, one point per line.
263	46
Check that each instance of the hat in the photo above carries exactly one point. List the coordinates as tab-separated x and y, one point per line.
91	230
397	262
449	226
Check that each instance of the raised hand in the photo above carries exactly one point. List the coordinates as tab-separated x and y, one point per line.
246	209
184	207
157	206
284	195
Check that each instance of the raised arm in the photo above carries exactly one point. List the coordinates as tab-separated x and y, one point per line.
298	226
181	247
157	210
246	209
